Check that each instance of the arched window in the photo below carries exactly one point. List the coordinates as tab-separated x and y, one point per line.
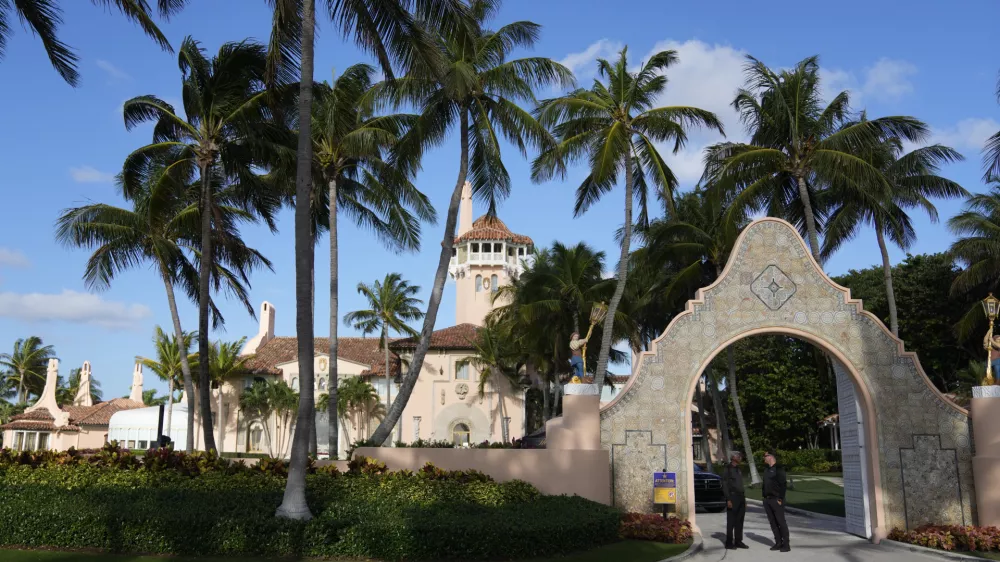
255	438
479	283
295	384
460	434
493	283
322	383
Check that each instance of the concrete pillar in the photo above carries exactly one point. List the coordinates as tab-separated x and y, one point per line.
985	413
579	428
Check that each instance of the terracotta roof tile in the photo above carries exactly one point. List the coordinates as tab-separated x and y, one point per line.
98	414
488	227
462	336
360	350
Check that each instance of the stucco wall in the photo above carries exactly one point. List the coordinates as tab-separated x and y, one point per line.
582	473
921	468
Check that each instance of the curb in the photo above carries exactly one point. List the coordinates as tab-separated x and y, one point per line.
906	547
802	512
696	545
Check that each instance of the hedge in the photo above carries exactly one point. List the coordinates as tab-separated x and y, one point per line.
806	460
202	505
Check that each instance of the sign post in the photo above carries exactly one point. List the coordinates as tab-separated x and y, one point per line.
665	490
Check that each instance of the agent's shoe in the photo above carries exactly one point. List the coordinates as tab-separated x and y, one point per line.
776	547
741	545
786	548
729	546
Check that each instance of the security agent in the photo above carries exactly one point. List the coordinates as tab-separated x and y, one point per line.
736	502
774	501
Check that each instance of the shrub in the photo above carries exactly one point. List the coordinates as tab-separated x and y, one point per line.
647	527
443	444
367	513
951	537
805	460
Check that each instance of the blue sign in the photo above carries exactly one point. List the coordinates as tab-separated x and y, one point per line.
664	487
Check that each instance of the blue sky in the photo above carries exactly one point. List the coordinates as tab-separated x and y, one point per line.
61	146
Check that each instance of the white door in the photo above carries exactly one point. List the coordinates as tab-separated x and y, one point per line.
852	444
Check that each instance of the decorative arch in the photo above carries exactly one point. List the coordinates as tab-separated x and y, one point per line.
918	449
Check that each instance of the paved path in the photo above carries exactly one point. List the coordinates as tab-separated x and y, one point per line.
812	539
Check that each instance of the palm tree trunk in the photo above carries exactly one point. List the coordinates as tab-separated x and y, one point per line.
204	279
170	404
810	218
731	358
890	295
503	413
720	414
185	366
313	438
293	505
544	387
410	380
222	420
334	435
388	380
706	448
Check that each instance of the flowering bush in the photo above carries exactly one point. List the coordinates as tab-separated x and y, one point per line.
647	527
950	537
443	444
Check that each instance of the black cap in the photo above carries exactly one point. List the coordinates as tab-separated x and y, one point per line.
772	452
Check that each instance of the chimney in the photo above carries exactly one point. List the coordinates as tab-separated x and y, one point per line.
83	397
47	401
465	210
136	395
264	334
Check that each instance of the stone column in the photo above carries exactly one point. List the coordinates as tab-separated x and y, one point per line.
985	414
579	428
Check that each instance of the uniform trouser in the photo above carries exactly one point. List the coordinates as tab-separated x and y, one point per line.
776	517
734	520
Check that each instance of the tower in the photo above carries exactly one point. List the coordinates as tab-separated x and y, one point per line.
485	257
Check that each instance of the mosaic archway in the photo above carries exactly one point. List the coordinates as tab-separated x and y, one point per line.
920	467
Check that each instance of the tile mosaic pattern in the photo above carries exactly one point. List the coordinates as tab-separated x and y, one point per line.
652	419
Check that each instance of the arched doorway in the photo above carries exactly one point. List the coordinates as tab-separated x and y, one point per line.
915	449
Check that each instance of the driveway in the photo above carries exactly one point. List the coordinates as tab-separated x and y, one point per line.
811	539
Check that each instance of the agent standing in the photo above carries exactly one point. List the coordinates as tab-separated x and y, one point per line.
774	501
736	502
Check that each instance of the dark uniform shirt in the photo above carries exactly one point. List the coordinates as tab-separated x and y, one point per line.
732	482
774	482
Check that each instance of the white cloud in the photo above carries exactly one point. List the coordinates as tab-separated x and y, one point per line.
583	64
13	258
89	174
968	134
888	79
115	73
71	306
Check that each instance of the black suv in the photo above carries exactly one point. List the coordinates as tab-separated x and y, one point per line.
708	491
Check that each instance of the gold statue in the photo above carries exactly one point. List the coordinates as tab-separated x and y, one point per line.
991	306
578	347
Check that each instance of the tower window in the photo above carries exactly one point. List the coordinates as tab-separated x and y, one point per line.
479	283
475	248
497	248
493	283
510	252
454	251
520	251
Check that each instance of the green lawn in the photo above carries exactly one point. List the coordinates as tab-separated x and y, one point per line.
986	555
818	496
632	551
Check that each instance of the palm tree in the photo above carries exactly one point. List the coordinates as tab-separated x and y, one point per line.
67	390
471	85
799	146
255	402
162	229
695	243
389	31
27	365
168	365
226	136
978	230
350	146
495	355
615	126
225	363
913	179
391	305
150	398
43	17
358	401
991	156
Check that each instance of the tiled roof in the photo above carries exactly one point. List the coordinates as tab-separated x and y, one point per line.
98	414
365	351
462	336
489	227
